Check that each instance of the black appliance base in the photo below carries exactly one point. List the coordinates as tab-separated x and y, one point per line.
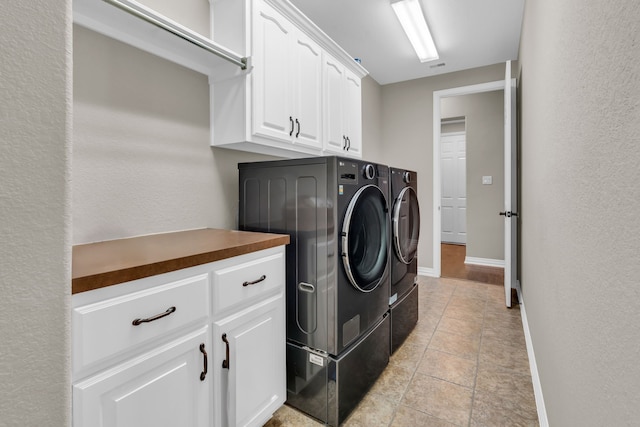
329	387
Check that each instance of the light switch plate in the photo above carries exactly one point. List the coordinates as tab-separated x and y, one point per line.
487	180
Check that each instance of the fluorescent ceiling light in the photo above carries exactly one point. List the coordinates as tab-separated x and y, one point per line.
412	20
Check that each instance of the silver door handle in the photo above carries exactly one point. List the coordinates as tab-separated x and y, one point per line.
306	287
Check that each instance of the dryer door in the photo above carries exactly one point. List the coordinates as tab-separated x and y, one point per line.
406	225
365	238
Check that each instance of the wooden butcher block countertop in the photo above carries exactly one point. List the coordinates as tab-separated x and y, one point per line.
97	265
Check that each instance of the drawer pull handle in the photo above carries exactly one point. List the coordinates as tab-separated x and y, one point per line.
255	281
225	363
203	374
136	322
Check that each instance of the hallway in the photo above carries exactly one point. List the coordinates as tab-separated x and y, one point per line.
465	364
452	265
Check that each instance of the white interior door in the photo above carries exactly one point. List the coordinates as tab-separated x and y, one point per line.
453	161
510	186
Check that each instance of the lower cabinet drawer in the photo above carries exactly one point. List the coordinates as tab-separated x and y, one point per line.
113	326
243	284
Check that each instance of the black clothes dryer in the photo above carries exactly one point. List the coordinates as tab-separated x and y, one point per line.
337	212
405	225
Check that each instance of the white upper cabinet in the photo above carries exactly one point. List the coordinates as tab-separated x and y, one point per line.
342	109
279	107
286	81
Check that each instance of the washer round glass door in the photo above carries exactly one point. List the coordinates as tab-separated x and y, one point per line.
406	225
365	238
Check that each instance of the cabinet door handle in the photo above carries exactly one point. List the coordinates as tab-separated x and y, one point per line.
225	363
348	143
291	120
344	139
203	374
263	277
170	310
298	133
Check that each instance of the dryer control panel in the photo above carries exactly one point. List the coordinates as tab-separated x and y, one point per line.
347	172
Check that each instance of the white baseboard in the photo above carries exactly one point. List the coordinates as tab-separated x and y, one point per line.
535	378
487	262
426	271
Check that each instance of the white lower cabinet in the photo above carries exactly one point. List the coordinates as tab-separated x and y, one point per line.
149	353
164	387
249	349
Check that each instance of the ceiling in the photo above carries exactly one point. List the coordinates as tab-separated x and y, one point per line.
467	34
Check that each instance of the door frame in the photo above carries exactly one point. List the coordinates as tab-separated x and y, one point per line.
437	178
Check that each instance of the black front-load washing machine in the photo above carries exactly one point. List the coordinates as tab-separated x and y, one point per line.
337	212
405	225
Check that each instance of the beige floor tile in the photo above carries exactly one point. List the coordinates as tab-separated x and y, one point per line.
499	308
504	354
464	313
508	335
408	417
485	414
408	355
467	305
449	368
468	297
499	319
441	399
457	345
435	294
505	389
472	290
429	284
393	383
373	411
421	334
495	294
290	417
466	327
432	309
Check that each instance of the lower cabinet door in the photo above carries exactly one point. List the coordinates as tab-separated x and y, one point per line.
249	364
166	387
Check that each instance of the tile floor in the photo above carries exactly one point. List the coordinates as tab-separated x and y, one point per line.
465	364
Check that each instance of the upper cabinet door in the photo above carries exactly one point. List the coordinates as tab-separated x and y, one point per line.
307	91
272	74
333	77
342	109
353	113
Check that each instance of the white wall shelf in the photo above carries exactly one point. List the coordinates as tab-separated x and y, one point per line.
137	25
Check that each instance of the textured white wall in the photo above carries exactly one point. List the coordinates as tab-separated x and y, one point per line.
580	88
484	113
407	135
35	263
142	162
372	121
